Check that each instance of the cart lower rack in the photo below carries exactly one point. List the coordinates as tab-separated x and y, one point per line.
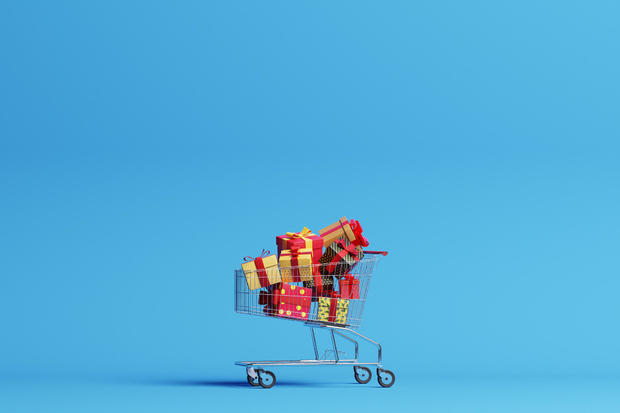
339	316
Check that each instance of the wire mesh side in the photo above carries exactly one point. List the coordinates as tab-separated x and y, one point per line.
252	302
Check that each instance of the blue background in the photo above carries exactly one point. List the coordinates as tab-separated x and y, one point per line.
146	147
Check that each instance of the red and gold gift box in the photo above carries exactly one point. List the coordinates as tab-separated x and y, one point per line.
333	309
293	301
351	230
349	287
261	271
340	257
296	265
302	239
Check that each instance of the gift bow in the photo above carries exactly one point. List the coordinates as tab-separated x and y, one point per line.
301	234
348	248
263	255
357	231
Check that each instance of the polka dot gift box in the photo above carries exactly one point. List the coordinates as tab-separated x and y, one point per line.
293	301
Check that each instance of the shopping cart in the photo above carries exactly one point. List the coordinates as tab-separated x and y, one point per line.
252	302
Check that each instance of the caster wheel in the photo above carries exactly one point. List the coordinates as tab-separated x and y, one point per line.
251	381
362	374
266	379
385	378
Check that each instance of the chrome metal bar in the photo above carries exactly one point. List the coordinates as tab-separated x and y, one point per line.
316	350
363	337
350	339
334	345
305	363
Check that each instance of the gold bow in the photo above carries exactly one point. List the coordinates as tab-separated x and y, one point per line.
301	234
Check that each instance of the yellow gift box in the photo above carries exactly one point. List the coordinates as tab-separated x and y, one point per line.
261	271
296	265
333	310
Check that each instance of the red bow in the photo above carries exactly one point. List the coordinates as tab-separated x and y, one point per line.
263	255
357	231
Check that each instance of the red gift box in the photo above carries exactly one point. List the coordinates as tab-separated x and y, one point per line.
269	299
299	240
349	287
293	301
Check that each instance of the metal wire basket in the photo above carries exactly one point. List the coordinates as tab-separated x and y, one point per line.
300	279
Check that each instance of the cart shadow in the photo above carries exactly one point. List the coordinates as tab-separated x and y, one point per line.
241	383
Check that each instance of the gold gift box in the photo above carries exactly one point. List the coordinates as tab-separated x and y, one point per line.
296	271
272	272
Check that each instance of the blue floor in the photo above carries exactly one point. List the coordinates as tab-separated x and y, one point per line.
203	394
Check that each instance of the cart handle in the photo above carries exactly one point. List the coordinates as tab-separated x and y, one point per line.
384	253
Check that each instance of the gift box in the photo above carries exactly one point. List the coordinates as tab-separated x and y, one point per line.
349	287
302	239
333	309
293	301
269	299
296	264
261	271
321	284
351	230
340	257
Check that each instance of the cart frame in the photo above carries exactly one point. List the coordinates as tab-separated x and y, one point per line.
257	375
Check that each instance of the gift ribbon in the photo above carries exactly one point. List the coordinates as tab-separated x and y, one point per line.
333	303
263	255
336	228
303	235
357	231
260	267
345	249
318	282
295	263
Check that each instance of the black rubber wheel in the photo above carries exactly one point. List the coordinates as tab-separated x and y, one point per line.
251	381
266	379
385	378
362	374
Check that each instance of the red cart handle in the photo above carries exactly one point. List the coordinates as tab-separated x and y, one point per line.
384	253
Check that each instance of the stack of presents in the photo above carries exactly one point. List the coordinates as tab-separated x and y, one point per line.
309	268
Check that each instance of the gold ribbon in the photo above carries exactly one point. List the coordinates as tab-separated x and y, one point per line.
301	234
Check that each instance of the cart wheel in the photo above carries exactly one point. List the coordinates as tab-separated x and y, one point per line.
266	379
385	377
362	374
251	381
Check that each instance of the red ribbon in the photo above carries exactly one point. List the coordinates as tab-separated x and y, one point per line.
346	249
357	231
295	273
333	303
295	263
336	228
260	267
318	281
